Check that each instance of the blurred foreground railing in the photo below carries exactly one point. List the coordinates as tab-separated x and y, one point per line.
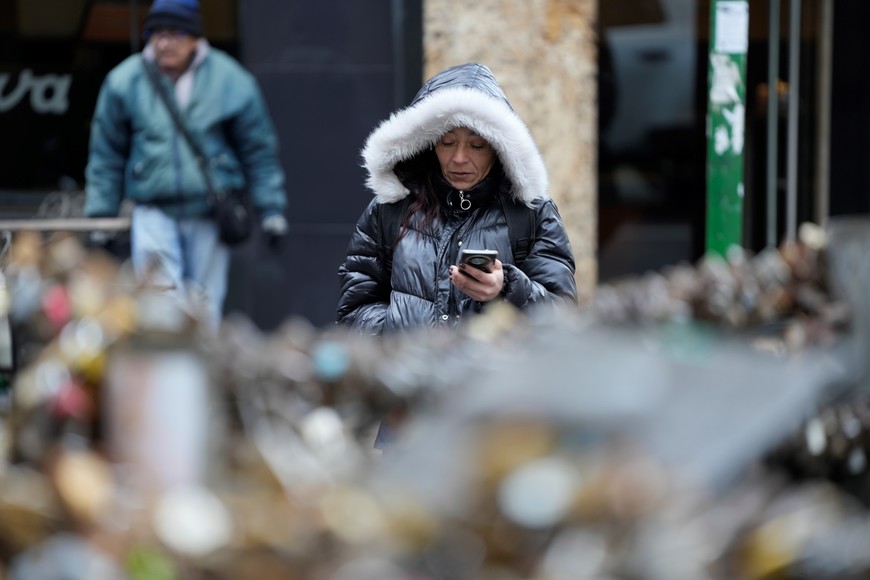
66	224
642	438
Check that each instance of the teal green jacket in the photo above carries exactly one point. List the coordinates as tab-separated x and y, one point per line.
137	153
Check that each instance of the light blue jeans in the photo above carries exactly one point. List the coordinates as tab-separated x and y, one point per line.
182	255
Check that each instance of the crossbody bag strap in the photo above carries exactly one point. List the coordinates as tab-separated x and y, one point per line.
179	124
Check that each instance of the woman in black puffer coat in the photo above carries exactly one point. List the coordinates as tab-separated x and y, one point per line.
458	153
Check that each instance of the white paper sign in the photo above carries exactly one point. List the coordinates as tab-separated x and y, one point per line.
732	27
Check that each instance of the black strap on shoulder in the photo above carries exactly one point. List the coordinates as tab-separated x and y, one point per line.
182	129
389	221
521	227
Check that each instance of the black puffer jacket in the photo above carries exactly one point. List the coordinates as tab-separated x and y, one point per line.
417	290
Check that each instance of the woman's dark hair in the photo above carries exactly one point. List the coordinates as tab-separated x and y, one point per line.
418	174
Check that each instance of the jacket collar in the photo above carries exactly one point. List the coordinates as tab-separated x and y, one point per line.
456	201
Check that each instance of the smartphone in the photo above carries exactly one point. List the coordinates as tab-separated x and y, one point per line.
480	259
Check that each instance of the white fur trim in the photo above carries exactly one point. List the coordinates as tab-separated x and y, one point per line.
414	129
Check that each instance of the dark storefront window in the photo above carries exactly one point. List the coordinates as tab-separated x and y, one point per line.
652	144
53	57
651	141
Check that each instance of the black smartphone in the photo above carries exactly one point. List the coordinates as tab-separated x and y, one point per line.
480	259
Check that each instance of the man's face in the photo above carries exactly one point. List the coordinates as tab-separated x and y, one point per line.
173	50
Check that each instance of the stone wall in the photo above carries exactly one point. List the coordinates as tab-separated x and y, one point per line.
543	54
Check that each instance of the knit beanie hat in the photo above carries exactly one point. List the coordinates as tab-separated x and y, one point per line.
176	15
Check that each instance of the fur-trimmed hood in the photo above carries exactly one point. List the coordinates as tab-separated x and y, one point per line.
461	96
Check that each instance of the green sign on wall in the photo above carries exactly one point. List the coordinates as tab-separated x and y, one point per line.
726	105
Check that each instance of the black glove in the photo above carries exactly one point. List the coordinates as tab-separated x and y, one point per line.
100	238
274	228
116	243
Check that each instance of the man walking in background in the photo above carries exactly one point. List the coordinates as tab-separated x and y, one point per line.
137	151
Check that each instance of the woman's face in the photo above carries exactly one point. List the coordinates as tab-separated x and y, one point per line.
465	157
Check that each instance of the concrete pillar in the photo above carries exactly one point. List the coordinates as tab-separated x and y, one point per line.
543	52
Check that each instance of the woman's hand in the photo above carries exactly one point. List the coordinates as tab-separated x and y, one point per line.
478	284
